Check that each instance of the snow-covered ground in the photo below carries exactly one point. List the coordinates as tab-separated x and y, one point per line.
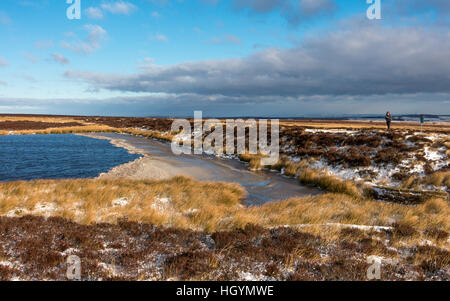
376	174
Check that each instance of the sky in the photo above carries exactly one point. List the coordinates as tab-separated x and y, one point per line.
267	58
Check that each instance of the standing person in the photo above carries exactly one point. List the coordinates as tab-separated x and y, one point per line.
422	121
388	120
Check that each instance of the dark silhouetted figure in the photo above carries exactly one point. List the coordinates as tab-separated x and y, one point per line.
388	120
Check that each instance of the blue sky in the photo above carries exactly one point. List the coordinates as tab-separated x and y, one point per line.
225	57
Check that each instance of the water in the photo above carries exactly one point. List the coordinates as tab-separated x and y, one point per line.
57	157
262	187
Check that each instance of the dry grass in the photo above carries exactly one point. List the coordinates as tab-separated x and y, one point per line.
64	130
307	176
39	119
381	125
329	183
253	160
148	134
409	183
292	169
170	202
205	206
318	178
441	178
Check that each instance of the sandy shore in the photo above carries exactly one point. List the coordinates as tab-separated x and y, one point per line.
151	169
142	168
116	142
147	167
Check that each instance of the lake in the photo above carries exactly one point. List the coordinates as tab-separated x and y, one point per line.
28	157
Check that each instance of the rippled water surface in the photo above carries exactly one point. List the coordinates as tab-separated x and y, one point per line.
57	156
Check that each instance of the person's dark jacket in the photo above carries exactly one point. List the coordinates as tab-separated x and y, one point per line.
388	118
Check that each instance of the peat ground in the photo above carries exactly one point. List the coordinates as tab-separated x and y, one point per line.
35	248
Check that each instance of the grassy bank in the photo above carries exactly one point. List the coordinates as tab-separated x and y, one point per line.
187	204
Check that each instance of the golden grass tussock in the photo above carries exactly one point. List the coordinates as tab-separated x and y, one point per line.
317	178
409	183
282	163
40	119
325	181
65	130
291	169
185	203
148	134
253	160
440	178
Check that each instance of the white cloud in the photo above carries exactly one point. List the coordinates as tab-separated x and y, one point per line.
60	59
227	39
94	13
120	7
31	58
93	42
146	62
44	44
160	37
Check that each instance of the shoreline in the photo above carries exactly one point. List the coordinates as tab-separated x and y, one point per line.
116	142
144	168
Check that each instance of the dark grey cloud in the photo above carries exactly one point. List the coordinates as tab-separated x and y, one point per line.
360	60
409	6
184	105
295	11
259	6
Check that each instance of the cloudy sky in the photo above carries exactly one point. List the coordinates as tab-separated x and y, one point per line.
282	58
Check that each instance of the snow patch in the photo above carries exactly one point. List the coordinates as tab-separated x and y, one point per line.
433	155
331	131
191	211
41	209
121	202
162	204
